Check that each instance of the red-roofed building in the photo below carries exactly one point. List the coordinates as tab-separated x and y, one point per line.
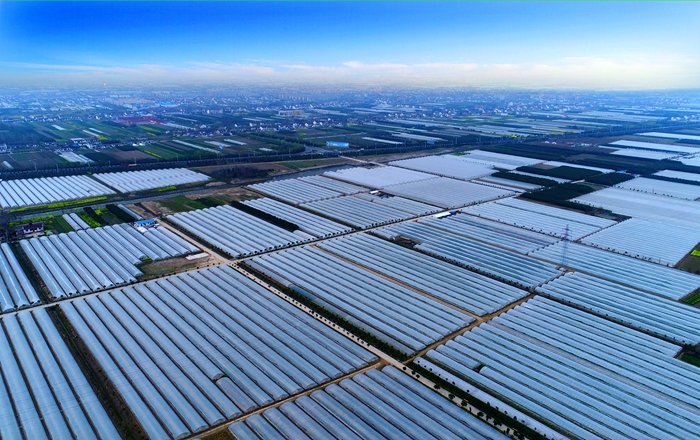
30	228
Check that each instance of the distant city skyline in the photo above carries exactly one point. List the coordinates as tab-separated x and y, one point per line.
596	45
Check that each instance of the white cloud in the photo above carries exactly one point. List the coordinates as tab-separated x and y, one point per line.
572	72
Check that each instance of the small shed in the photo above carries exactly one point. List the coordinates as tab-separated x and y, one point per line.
146	222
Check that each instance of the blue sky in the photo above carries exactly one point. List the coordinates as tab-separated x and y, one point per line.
514	44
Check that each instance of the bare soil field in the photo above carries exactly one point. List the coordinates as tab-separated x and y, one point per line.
139	210
126	156
315	163
271	166
237	193
221	435
155	208
156	269
689	263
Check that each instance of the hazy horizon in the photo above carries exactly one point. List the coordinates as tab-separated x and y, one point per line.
578	46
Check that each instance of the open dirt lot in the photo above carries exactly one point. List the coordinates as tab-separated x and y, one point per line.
155	208
169	266
126	156
267	166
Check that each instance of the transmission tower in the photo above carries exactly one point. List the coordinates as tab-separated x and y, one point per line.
565	249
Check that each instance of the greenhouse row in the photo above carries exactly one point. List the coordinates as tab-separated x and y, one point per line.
507	184
540	176
693	160
131	213
643	311
129	181
679	136
467	290
295	191
446	166
645	154
533	221
357	212
504	265
679	175
16	292
662	243
378	177
378	404
400	317
75	222
498	160
557	212
662	187
236	233
680	149
406	205
546	358
491	232
649	277
191	351
554	163
307	222
643	205
86	261
335	185
27	192
448	193
44	394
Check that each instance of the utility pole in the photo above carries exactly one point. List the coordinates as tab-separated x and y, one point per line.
565	249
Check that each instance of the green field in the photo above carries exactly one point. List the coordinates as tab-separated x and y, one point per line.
693	360
693	299
60	204
27	133
22	133
107	217
525	178
51	223
26	160
181	204
161	151
105	130
155	130
59	225
211	202
609	179
89	220
96	156
300	164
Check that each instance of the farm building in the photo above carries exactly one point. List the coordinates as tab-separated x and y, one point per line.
30	228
